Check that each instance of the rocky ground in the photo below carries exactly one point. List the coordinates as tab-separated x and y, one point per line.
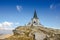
34	33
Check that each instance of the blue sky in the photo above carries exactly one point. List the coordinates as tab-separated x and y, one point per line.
15	13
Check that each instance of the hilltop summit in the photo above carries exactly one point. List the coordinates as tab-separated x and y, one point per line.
34	31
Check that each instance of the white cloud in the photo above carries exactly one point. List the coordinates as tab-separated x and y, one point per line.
51	6
0	25
8	25
54	6
19	8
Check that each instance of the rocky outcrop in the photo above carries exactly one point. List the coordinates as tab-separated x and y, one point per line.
34	33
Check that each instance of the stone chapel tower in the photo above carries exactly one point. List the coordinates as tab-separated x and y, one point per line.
34	21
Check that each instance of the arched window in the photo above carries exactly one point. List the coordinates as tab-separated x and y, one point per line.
34	22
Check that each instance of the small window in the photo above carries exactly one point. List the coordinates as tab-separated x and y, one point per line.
34	22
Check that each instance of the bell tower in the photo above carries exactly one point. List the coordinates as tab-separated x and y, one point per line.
35	20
